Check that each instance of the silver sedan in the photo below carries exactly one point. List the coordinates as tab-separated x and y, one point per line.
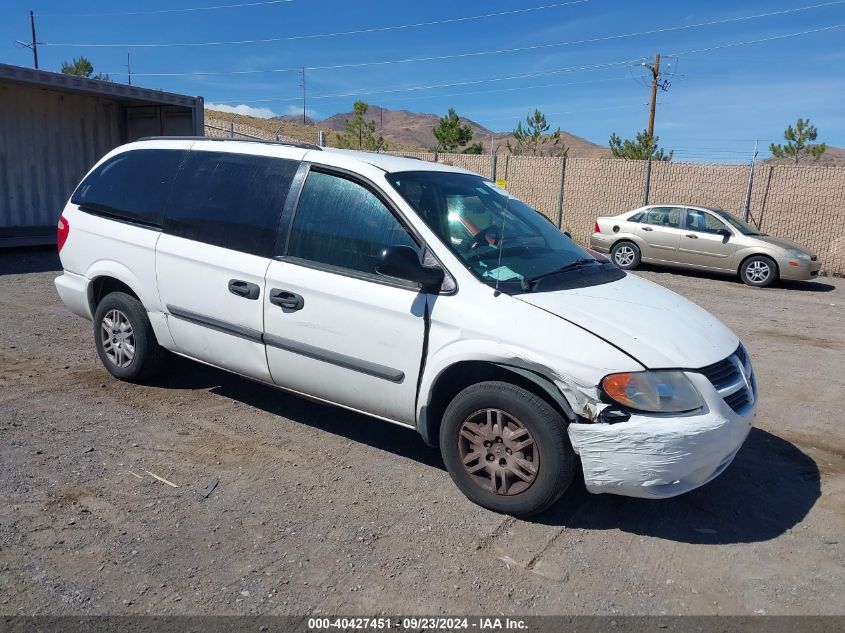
704	238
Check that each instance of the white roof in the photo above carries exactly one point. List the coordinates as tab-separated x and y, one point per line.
391	164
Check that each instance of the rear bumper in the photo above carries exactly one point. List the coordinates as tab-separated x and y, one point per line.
601	243
656	457
73	291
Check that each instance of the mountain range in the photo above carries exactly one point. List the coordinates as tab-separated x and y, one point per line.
414	129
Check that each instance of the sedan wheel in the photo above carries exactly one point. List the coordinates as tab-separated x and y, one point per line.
759	271
625	255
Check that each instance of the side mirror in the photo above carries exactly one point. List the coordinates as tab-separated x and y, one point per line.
725	233
403	262
568	234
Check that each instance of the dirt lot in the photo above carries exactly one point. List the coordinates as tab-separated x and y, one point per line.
323	511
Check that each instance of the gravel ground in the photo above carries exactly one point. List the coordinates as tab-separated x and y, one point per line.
324	511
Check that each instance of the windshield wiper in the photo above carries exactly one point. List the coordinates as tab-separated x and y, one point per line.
528	282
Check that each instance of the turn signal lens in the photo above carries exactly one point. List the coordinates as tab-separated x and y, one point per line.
663	391
62	231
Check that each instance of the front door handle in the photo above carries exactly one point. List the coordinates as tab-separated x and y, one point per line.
244	289
647	228
692	236
286	299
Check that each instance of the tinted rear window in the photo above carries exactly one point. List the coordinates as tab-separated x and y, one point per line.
230	200
131	186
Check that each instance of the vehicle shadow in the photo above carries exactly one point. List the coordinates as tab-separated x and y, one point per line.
769	488
815	285
30	259
404	442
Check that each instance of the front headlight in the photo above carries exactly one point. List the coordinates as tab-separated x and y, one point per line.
664	391
794	252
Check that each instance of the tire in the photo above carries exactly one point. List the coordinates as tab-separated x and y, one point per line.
521	416
758	271
125	340
626	255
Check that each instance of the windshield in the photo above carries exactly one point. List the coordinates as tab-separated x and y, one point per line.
503	241
739	225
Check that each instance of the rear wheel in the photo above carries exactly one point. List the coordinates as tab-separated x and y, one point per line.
124	338
626	255
759	271
506	448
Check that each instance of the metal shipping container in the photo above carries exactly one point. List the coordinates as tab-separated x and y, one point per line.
54	127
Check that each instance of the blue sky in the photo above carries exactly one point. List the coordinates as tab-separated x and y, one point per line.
717	104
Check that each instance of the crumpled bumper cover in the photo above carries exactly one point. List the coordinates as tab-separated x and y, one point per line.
657	457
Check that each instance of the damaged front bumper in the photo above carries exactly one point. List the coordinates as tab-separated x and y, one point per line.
658	456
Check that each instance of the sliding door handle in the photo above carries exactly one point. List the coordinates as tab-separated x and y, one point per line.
286	299
692	236
647	228
244	289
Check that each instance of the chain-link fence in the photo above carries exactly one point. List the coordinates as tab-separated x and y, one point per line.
805	204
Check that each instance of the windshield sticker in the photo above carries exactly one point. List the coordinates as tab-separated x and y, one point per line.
502	273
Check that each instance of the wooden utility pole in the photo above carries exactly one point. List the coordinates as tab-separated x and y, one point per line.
129	67
34	41
655	82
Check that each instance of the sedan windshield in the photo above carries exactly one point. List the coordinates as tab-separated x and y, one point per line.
500	239
739	225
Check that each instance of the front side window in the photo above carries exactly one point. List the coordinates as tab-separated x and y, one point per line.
703	222
132	186
739	225
663	216
501	240
230	200
343	224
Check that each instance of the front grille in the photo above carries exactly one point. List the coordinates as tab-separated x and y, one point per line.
738	391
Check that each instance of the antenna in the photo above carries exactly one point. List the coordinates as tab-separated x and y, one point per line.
303	97
496	292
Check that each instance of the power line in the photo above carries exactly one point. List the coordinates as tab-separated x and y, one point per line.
547	73
500	51
450	94
337	33
159	11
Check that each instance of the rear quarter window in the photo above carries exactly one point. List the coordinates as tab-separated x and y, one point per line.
230	200
132	186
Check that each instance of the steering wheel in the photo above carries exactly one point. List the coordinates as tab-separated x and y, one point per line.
483	236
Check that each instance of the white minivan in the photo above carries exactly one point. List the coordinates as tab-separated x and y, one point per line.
414	292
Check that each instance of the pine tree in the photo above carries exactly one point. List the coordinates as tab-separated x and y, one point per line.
82	67
360	133
644	148
451	133
797	145
532	137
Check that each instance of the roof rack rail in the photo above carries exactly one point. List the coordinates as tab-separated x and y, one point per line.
241	140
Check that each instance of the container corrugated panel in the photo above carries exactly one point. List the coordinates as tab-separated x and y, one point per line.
48	141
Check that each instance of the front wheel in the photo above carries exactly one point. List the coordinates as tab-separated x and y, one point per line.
759	271
506	448
626	255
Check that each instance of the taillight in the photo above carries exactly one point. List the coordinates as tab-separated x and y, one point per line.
596	228
62	232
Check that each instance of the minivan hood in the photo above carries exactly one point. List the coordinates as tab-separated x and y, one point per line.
656	326
779	241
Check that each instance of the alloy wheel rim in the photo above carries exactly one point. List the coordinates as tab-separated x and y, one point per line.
498	452
118	338
758	271
624	256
